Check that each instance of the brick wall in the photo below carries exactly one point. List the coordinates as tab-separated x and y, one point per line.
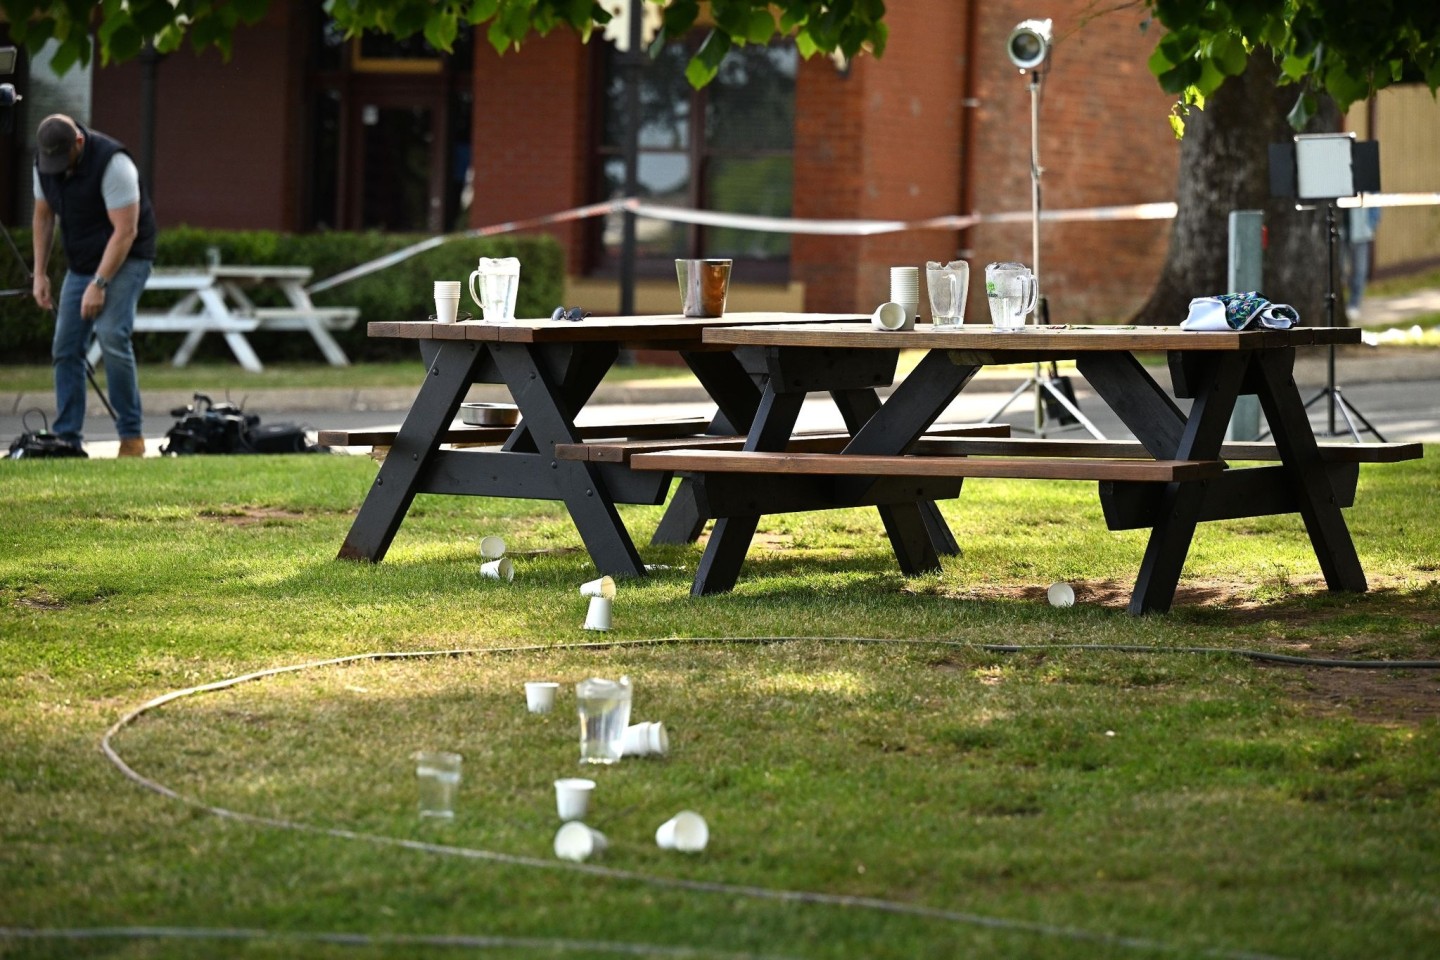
228	137
1104	142
888	142
532	134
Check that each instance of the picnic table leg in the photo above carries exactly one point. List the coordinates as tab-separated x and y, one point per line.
1179	512
544	399
918	533
299	299
1306	475
892	429
446	382
730	539
736	397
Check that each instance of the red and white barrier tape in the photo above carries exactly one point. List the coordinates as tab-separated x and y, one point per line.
815	227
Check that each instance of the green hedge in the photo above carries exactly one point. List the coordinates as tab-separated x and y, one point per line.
403	291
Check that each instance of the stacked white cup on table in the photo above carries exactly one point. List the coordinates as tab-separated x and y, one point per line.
447	300
905	290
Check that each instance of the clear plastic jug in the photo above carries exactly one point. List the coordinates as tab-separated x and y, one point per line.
1012	291
604	709
494	285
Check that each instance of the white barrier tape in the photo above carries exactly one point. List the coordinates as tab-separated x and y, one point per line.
390	259
844	228
1390	200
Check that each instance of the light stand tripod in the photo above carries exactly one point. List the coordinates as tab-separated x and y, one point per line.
1047	388
1331	391
25	269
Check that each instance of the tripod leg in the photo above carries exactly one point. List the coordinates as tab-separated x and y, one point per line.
1064	401
90	375
1348	411
1009	400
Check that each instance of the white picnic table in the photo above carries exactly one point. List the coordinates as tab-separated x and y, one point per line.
217	300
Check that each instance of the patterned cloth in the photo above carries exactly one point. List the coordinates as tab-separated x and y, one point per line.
1236	311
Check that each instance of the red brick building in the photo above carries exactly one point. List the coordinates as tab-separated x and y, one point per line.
303	130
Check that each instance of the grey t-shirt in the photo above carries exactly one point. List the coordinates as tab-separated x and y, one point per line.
120	184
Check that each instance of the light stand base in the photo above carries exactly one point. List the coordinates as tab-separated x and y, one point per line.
1338	402
1042	385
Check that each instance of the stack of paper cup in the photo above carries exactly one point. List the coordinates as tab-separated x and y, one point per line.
447	300
905	290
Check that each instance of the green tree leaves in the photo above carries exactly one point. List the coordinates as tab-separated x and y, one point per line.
121	27
1347	50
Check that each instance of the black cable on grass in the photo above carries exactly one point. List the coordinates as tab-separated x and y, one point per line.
698	886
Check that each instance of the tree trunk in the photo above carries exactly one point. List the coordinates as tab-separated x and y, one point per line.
1225	166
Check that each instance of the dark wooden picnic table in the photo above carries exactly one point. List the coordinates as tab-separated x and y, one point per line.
551	369
1175	476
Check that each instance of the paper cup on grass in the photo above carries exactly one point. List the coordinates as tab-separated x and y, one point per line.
642	739
492	548
577	842
604	587
501	569
540	695
1061	595
598	616
686	832
572	797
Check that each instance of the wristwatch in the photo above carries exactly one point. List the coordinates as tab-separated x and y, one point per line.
100	282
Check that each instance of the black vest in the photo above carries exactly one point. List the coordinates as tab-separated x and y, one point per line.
79	201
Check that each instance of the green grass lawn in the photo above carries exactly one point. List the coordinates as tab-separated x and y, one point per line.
924	797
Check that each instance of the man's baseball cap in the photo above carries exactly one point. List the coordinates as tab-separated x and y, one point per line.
52	145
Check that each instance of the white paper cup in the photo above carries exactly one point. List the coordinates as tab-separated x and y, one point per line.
492	548
889	316
642	739
603	587
540	695
686	832
501	569
575	841
598	616
447	288
572	797
1061	595
446	308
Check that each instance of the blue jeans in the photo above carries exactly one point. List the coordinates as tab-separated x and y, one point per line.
112	330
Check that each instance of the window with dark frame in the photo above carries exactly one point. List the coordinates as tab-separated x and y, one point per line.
727	148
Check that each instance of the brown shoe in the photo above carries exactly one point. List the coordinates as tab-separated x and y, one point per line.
132	446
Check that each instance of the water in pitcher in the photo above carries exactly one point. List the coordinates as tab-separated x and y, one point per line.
604	708
1007	311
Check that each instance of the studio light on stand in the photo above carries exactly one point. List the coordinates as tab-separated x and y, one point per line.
1328	167
1029	49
